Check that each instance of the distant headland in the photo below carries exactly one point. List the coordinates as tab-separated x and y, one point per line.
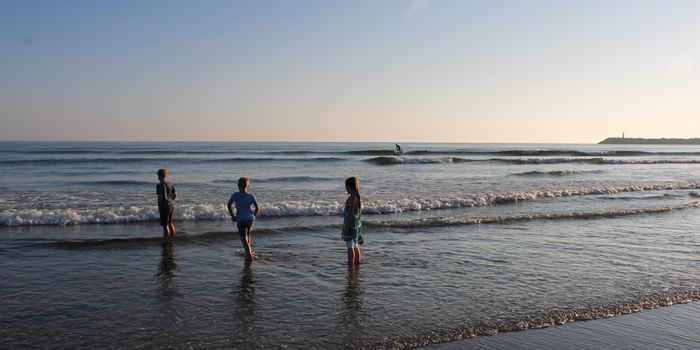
643	141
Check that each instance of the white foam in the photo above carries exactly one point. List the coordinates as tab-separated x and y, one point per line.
467	220
210	211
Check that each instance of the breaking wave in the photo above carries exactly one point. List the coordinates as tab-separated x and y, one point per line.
477	220
209	211
556	173
406	160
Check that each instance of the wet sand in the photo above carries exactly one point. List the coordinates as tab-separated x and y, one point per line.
672	327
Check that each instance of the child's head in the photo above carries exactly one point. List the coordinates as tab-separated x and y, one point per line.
243	183
162	174
352	185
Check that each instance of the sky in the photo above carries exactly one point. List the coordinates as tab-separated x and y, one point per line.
361	70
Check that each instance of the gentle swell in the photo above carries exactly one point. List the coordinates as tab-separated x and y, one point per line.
70	161
524	161
522	153
283	179
599	161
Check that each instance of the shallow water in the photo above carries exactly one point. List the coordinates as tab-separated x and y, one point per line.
454	248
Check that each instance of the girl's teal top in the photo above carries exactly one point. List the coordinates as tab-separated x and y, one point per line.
353	224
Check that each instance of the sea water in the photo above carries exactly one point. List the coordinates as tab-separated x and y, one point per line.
461	240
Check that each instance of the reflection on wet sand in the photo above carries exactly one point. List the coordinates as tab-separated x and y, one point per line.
245	312
168	308
165	271
352	308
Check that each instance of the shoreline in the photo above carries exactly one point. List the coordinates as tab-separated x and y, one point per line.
666	327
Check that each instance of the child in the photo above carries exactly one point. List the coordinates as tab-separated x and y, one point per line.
352	226
166	203
244	217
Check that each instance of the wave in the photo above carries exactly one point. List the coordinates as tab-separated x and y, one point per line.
371	152
556	173
523	153
406	160
209	211
160	160
540	319
116	183
598	161
382	160
595	161
574	153
652	197
123	243
477	220
524	161
135	152
281	179
388	151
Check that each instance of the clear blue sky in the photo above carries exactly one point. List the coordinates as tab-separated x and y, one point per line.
441	70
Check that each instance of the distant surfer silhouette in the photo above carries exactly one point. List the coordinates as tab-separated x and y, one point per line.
398	150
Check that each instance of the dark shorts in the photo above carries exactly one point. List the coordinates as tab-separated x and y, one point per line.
166	214
244	225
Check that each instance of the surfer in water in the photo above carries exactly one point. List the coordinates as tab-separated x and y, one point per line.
398	151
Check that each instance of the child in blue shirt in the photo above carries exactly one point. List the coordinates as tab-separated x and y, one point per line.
244	217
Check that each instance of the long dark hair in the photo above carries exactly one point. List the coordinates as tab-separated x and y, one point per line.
354	184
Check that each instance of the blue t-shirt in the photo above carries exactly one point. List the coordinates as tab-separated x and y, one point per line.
244	201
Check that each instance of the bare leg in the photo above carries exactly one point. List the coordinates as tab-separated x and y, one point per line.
246	246
245	239
351	257
165	231
172	230
250	246
357	255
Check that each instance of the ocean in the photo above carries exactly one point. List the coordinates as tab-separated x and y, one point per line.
461	240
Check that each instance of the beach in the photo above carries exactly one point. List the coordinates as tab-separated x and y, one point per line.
540	244
673	327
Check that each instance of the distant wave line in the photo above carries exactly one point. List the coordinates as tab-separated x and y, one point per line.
524	161
52	161
524	153
366	152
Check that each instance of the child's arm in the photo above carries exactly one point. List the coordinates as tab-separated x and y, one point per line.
349	213
257	208
161	196
230	210
174	193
